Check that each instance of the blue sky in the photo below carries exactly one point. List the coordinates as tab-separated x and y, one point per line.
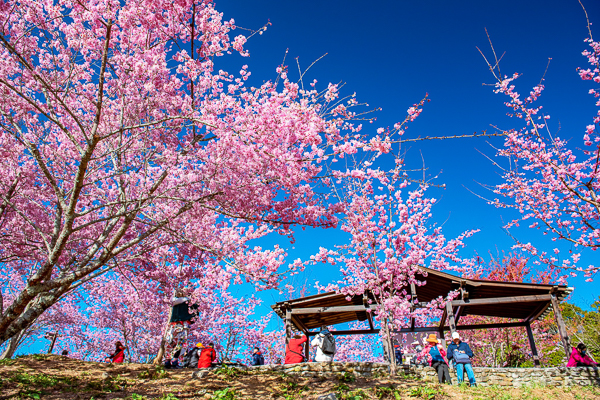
393	52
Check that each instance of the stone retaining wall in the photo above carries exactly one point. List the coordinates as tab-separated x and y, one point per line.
517	377
313	369
506	377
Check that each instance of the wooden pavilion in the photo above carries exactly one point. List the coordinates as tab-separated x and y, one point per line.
523	302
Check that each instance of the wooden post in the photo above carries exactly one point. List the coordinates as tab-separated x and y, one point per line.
450	316
288	327
53	340
307	348
536	358
562	329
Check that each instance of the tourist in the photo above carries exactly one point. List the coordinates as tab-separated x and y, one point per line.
398	353
460	353
435	355
118	356
179	326
207	356
580	358
191	358
257	357
325	346
294	350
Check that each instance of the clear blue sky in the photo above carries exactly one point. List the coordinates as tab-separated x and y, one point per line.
393	52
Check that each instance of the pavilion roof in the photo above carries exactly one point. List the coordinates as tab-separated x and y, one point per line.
522	301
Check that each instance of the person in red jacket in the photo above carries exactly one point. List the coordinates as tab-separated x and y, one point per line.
580	358
207	356
294	350
118	356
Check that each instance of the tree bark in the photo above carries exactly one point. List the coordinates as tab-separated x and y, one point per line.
13	344
161	351
389	348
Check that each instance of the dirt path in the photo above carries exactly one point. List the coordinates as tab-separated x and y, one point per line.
56	377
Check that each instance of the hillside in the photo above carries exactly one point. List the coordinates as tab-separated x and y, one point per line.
56	377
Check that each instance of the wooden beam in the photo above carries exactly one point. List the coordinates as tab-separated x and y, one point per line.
461	327
562	329
489	326
349	332
367	307
370	319
537	312
534	353
459	312
413	298
442	321
319	310
288	327
296	321
502	300
450	316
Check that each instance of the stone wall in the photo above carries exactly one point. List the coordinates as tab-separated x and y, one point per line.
517	377
312	369
506	377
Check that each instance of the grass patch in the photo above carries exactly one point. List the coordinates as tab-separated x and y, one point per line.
225	394
290	390
347	377
229	373
427	392
386	392
158	372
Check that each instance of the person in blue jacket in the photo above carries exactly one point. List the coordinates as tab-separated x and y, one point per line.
460	353
257	357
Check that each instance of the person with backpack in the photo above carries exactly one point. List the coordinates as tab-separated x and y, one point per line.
191	358
460	353
435	355
294	351
207	356
257	357
325	346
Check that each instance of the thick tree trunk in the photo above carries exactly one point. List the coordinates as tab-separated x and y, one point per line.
13	344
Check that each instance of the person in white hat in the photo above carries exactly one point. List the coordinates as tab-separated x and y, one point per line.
460	353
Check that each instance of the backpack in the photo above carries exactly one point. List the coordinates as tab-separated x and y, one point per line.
328	345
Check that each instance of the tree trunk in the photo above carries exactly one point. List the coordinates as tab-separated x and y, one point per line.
13	344
389	348
161	351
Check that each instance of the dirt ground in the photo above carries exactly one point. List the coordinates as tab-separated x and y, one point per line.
56	377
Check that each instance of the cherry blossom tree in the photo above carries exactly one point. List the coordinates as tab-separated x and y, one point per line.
510	347
124	146
553	183
390	236
134	310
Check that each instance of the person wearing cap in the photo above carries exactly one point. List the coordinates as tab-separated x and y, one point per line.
436	357
207	356
460	353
